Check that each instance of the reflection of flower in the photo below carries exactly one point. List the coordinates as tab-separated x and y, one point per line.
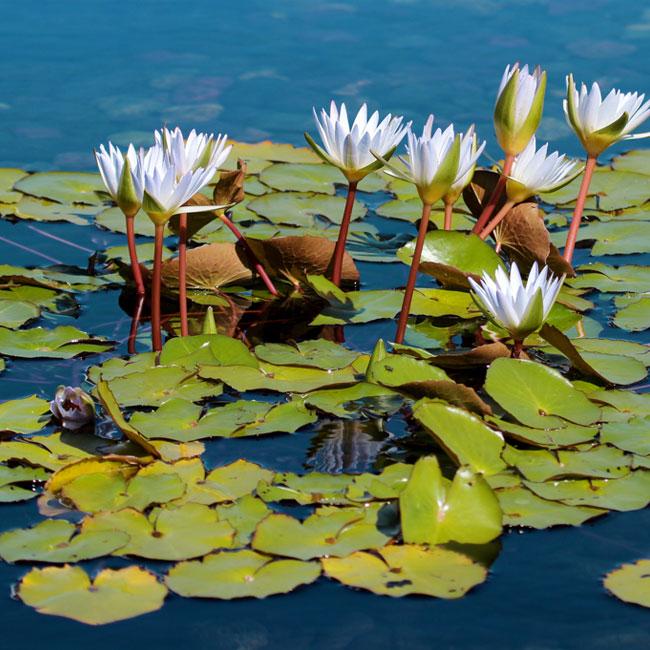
517	307
349	148
600	122
533	171
73	407
519	106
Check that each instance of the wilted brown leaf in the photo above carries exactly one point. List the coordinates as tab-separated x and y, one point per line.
483	355
293	258
558	264
209	267
230	187
478	192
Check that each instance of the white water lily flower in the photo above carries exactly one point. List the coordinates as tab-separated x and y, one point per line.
470	152
73	407
349	147
600	122
519	308
122	175
519	106
534	171
166	190
431	162
197	150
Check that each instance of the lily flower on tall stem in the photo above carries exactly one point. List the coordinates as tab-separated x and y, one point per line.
165	194
198	150
599	123
432	165
533	171
122	176
518	308
349	148
517	114
470	152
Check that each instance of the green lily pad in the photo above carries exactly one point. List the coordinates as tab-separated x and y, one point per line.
568	436
632	492
116	367
354	401
634	316
14	313
612	279
303	209
50	451
299	177
339	534
233	481
16	483
630	583
410	209
213	349
433	511
633	161
277	378
243	515
614	237
63	342
180	533
113	219
53	279
269	151
25	415
8	177
404	570
523	508
114	595
314	487
466	438
451	257
54	540
33	209
629	436
45	298
155	386
241	574
319	353
63	187
536	395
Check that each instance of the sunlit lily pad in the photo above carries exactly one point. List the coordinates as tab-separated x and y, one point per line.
613	279
113	595
635	315
354	401
243	515
113	219
567	436
181	533
63	187
339	534
53	451
190	351
300	177
632	436
56	541
16	483
240	574
404	570
26	415
63	342
54	278
33	209
314	354
631	583
14	313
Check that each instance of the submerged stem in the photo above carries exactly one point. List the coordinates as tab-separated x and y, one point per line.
182	272
415	263
491	205
133	255
572	236
339	250
156	339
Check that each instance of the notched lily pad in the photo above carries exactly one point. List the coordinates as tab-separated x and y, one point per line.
630	583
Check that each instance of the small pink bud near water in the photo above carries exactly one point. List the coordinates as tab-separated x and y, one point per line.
73	407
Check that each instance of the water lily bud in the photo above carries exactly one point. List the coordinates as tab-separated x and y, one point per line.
209	324
73	407
519	106
600	122
519	308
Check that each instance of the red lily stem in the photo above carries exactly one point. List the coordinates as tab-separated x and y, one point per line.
496	195
580	206
339	250
133	255
413	273
498	218
156	339
449	209
253	259
182	271
135	321
517	348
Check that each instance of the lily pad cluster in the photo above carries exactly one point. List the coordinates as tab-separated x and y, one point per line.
490	443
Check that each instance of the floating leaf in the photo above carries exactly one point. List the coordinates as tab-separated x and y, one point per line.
63	342
54	540
190	351
114	595
270	151
536	395
353	401
34	209
635	316
51	451
464	436
11	479
233	481
339	534
315	487
243	515
14	313
63	187
181	533
403	570
319	353
113	219
301	177
241	574
523	508
612	279
630	583
25	415
433	511
567	436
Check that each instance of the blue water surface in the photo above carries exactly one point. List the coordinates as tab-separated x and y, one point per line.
74	74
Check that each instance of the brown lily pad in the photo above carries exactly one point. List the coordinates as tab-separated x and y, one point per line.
478	192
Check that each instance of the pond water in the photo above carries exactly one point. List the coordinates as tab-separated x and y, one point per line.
75	74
